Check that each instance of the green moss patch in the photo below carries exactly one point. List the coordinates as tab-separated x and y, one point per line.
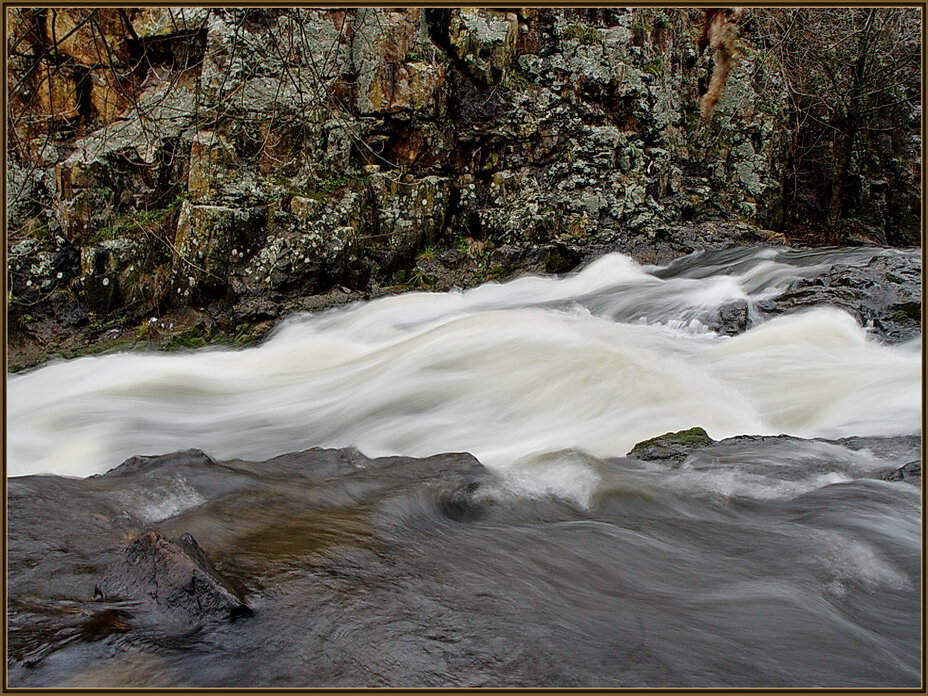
671	446
586	35
908	311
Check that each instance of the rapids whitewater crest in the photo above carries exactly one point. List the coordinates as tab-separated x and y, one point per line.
314	473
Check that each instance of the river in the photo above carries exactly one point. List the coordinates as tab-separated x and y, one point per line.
545	556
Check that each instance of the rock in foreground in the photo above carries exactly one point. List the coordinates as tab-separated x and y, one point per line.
175	575
401	572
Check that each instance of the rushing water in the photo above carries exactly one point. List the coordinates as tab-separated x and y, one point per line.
596	361
758	562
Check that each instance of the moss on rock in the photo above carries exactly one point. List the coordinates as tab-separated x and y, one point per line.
671	446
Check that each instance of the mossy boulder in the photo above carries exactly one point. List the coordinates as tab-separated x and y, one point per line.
674	447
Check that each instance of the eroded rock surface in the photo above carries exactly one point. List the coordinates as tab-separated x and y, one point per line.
176	575
884	295
401	572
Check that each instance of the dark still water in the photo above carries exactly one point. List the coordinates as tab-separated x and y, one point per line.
544	557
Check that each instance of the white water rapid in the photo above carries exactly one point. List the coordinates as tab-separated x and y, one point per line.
595	361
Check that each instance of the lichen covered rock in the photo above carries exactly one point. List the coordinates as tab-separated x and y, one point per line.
484	41
210	240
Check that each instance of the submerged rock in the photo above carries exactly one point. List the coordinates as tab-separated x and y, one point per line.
793	456
911	472
731	319
393	572
176	575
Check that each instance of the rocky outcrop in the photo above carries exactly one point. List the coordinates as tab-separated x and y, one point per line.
890	458
174	575
884	295
911	472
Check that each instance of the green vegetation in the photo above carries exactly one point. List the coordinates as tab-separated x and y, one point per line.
893	278
143	220
243	337
413	278
655	21
908	311
770	109
114	346
429	253
196	337
693	437
329	185
183	341
462	245
499	272
656	67
584	35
